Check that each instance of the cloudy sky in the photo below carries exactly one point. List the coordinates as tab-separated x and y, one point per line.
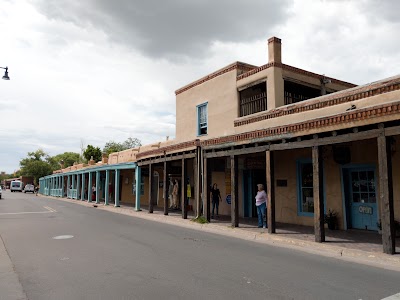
98	70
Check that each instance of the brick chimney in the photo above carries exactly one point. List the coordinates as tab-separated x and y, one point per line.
104	158
274	50
91	161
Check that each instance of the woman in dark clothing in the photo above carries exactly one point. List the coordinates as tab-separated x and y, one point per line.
216	197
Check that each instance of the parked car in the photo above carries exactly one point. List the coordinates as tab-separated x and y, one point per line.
1	190
16	186
29	188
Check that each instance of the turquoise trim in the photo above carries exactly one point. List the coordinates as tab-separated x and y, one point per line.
198	118
138	179
122	166
97	187
116	192
299	162
356	167
107	194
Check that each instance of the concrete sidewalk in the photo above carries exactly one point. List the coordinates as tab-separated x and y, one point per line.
352	245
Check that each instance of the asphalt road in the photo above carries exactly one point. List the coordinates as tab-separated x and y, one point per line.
113	256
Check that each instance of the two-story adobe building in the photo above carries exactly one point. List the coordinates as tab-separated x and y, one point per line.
318	144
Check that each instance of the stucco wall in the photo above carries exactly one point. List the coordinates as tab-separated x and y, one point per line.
222	98
362	153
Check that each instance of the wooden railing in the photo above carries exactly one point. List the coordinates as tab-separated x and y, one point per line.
254	104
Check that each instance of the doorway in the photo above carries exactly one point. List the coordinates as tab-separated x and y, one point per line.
360	197
250	180
155	188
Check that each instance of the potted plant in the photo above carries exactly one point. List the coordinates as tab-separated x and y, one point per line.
379	225
396	227
330	218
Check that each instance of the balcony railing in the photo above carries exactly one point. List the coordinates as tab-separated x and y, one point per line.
254	104
72	193
56	192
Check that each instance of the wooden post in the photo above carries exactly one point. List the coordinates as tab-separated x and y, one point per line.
165	189
150	189
270	191
234	192
386	194
184	203
206	191
318	187
197	182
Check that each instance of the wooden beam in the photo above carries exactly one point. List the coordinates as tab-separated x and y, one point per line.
184	203
350	137
151	189
165	189
234	192
206	191
395	130
318	188
242	151
386	194
270	191
197	182
167	158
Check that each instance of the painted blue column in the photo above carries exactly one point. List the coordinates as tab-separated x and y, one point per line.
116	192
78	185
90	187
62	186
97	187
73	181
138	177
106	188
68	185
83	187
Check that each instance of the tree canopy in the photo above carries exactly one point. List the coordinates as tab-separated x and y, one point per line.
69	158
92	151
113	146
36	165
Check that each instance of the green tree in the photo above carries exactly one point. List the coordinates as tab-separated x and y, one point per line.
112	146
132	143
69	159
36	165
92	151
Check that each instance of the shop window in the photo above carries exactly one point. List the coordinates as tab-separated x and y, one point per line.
202	119
305	187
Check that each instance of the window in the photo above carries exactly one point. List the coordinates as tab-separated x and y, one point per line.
202	119
305	187
253	99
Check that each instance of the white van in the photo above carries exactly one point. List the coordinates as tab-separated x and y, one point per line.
16	186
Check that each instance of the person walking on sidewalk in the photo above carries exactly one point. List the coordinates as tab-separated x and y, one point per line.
261	203
216	197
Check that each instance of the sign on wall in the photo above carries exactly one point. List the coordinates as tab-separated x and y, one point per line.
228	199
365	210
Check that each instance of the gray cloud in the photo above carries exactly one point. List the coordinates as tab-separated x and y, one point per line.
172	29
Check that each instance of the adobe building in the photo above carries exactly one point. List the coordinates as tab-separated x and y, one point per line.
318	144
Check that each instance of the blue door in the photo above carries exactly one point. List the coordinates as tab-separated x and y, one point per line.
362	194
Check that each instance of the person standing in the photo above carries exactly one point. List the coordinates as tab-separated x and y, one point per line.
216	197
175	192
93	192
170	191
261	203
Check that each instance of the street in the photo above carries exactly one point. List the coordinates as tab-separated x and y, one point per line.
103	255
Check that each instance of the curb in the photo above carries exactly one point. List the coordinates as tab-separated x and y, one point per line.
375	259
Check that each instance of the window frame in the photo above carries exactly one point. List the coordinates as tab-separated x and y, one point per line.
198	107
299	180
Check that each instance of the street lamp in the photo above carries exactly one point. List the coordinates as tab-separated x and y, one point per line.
5	77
